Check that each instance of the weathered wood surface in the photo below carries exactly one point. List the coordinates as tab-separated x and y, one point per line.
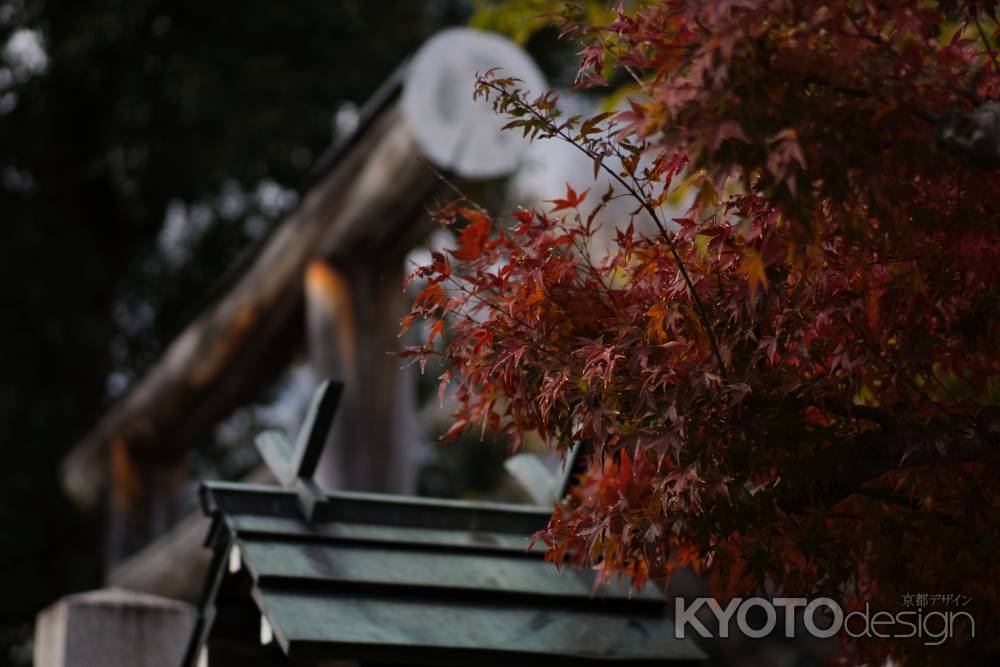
222	358
352	312
397	580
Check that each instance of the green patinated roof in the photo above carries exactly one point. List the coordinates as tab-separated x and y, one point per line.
390	579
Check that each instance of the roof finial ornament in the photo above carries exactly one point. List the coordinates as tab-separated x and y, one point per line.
294	467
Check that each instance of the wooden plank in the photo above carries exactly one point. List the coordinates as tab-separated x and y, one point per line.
381	509
315	427
484	574
447	632
288	528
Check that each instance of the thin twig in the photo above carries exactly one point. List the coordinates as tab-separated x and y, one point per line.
986	43
689	283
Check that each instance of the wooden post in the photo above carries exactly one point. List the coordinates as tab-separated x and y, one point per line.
143	497
352	315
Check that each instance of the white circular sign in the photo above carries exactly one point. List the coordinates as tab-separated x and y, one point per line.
452	130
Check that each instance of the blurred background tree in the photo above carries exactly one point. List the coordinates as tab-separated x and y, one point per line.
127	130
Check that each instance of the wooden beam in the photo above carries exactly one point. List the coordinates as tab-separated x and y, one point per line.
364	211
221	359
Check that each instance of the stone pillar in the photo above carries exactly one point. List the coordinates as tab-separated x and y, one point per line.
113	628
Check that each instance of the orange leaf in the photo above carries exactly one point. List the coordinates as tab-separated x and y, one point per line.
753	267
625	468
406	323
472	240
436	330
432	295
572	199
457	429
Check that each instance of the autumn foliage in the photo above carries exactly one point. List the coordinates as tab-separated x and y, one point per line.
793	383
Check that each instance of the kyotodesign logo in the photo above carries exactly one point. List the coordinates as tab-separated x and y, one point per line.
821	617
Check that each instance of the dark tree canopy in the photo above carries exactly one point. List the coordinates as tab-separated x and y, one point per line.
144	110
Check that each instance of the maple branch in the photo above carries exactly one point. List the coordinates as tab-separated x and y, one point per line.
899	501
877	354
664	233
585	255
944	388
702	315
864	412
874	38
448	183
466	199
524	325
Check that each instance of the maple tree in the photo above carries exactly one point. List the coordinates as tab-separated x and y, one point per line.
793	383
